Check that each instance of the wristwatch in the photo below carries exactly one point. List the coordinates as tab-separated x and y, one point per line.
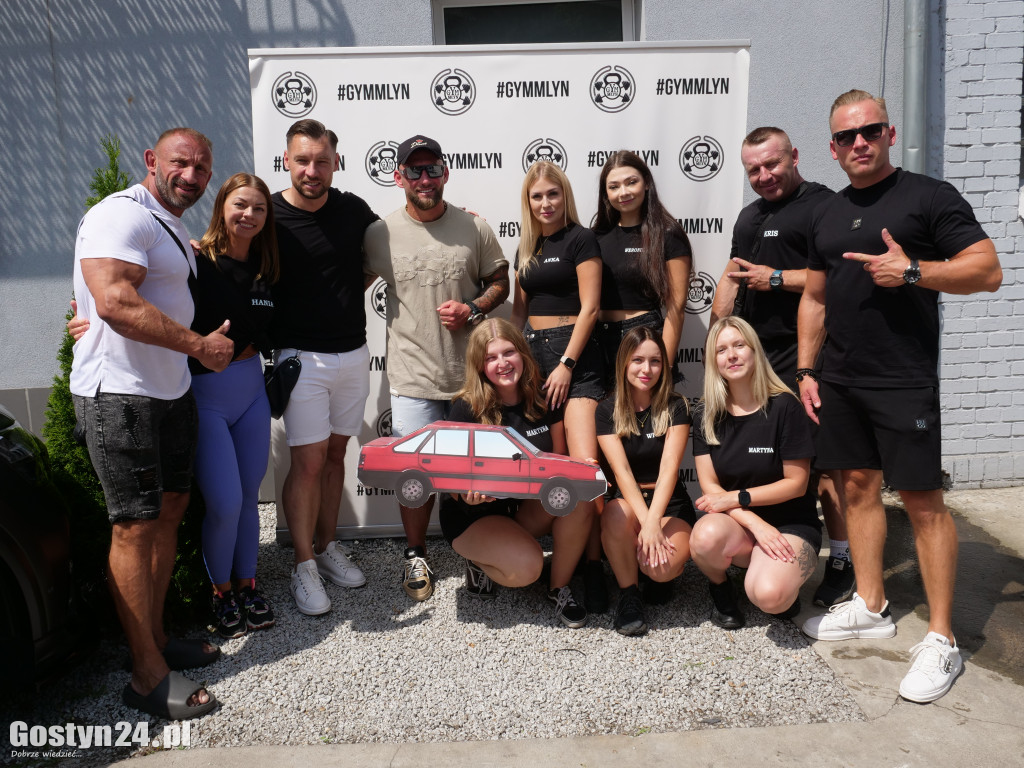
744	495
775	281
912	273
568	362
475	315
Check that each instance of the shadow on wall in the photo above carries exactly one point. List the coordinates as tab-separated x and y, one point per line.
75	72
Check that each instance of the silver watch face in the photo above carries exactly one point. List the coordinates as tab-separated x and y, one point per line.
775	281
911	274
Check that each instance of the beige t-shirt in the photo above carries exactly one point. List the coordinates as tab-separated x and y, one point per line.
426	264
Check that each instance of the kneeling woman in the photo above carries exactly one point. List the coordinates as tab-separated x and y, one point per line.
642	431
752	447
498	537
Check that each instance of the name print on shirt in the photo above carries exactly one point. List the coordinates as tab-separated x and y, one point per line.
752	449
537	430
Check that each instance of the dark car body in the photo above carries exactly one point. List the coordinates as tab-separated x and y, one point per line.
455	457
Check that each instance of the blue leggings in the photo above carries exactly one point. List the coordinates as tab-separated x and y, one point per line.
231	459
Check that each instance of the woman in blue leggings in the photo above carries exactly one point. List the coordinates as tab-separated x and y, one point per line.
238	265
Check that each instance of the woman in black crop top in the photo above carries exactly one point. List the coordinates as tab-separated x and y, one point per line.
752	447
645	256
557	294
498	537
642	430
237	266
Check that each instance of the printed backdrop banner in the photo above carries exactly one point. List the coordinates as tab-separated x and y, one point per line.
494	111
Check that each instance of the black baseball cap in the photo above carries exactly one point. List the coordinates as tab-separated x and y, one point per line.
416	143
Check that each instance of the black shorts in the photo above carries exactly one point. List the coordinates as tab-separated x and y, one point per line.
456	515
809	533
680	505
895	430
548	347
609	336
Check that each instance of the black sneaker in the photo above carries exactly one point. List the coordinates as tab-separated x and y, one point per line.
838	584
789	613
478	583
257	611
227	616
595	591
655	592
630	618
568	611
724	611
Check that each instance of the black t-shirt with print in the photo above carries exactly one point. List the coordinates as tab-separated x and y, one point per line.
623	285
643	451
886	337
551	283
752	448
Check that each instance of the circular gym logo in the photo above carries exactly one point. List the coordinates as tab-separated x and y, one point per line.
701	158
453	91
384	424
379	298
611	89
544	149
294	94
700	294
381	163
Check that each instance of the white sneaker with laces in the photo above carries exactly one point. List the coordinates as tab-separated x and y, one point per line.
335	564
934	666
308	589
851	620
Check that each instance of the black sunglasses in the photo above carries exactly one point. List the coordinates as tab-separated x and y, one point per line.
413	172
870	132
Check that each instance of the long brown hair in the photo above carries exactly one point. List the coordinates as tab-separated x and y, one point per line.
624	413
542	169
263	245
477	389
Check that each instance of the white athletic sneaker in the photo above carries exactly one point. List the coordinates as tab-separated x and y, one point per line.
850	620
934	666
308	589
335	564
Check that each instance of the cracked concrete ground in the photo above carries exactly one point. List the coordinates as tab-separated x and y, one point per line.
979	722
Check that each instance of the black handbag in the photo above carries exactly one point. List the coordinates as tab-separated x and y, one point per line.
280	380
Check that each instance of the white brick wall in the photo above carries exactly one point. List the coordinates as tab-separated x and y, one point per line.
983	335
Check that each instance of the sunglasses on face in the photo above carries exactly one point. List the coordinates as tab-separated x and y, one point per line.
413	172
870	132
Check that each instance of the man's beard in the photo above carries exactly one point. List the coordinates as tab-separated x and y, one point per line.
424	204
175	197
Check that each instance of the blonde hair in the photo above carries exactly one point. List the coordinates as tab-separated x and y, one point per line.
542	169
764	383
624	413
263	245
856	96
477	389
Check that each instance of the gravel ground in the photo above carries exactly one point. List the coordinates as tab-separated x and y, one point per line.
381	668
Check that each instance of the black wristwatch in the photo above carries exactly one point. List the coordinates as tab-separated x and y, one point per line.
775	281
568	362
912	273
744	496
475	315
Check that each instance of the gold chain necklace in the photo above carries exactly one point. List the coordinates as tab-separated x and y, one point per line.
641	422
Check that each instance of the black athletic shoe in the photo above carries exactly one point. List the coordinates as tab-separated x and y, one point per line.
227	615
257	611
724	611
595	591
630	618
478	583
838	584
789	613
568	611
655	592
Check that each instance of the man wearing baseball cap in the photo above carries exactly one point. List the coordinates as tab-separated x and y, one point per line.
445	271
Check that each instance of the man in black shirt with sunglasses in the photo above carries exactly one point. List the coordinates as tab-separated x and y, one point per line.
881	250
444	271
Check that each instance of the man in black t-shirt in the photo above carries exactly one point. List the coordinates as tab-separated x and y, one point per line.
881	250
320	316
766	272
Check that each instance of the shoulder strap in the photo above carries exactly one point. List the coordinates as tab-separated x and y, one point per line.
174	237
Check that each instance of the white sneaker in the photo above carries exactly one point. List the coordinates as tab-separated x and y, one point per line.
308	589
934	666
335	564
850	620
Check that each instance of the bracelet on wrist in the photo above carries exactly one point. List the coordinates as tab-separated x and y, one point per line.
801	372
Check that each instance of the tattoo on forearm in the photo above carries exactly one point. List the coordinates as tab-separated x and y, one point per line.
806	560
495	293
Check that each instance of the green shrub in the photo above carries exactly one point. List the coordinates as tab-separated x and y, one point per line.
75	477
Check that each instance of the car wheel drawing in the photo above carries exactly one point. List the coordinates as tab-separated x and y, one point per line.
413	488
557	497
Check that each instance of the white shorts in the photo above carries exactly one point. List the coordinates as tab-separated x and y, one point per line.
330	396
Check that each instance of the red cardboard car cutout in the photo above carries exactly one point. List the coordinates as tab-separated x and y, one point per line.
497	461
